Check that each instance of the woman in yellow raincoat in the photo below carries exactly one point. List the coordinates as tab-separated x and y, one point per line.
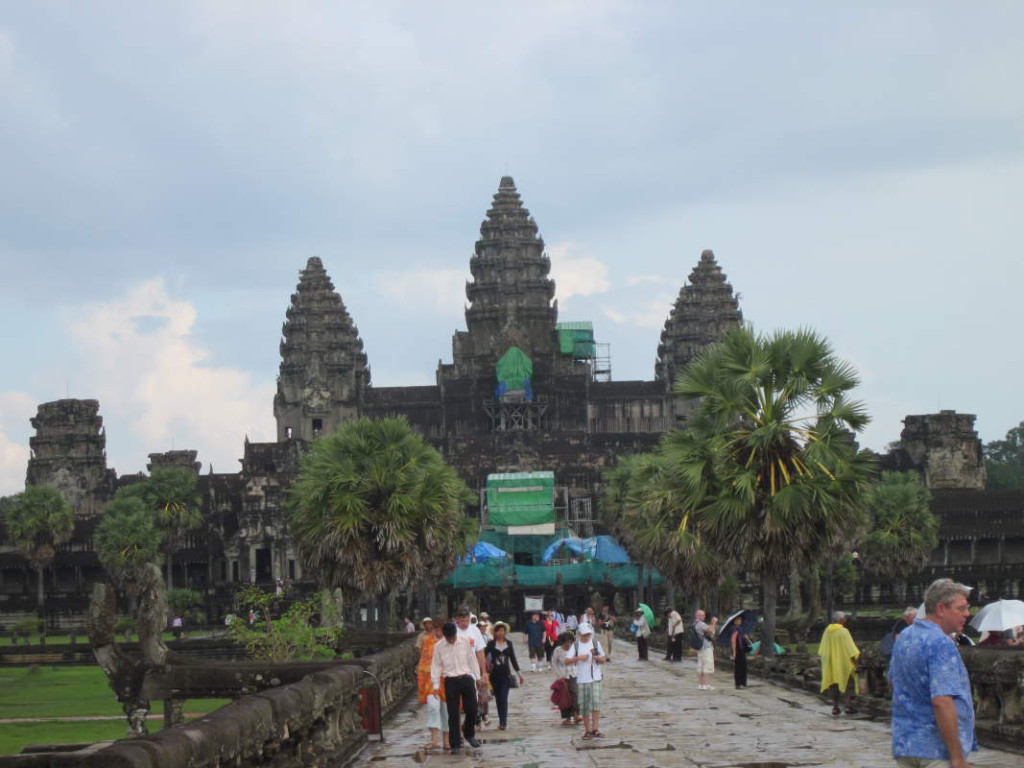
839	662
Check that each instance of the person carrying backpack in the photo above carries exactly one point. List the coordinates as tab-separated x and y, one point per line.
705	632
588	657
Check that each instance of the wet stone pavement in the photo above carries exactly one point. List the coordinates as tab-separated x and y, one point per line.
652	716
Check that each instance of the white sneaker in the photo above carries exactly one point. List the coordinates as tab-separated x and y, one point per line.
709	688
701	687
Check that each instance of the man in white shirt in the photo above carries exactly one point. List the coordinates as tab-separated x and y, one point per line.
476	640
589	656
572	623
674	630
455	662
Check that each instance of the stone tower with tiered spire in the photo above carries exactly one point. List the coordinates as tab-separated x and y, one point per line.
705	310
323	371
511	297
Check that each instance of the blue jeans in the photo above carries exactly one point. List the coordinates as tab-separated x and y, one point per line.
501	686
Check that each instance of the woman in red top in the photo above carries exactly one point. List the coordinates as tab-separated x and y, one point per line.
552	629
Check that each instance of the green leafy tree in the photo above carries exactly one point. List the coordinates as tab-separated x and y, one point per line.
768	472
297	635
903	530
376	508
647	508
1004	461
37	521
184	602
127	540
171	493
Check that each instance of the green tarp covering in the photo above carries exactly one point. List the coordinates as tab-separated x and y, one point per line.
576	339
498	573
521	498
513	369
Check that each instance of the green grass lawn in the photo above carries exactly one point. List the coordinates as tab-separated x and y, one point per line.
67	692
63	639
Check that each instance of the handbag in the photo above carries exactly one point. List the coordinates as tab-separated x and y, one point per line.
513	681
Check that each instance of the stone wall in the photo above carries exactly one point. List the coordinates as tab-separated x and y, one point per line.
314	722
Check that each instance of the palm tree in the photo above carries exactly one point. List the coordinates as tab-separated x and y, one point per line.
376	508
649	508
127	541
774	478
171	493
904	530
38	520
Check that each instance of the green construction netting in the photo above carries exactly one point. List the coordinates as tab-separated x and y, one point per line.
513	368
492	573
498	573
521	498
576	339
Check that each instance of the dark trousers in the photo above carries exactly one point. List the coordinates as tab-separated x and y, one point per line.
462	689
740	669
549	650
641	648
675	648
501	686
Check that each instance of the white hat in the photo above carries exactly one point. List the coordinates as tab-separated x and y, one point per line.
585	629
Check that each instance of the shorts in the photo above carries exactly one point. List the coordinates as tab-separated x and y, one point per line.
921	762
706	661
589	697
536	651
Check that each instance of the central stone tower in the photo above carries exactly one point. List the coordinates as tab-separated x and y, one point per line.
511	297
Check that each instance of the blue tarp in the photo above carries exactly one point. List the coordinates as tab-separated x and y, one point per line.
576	545
484	551
606	549
601	548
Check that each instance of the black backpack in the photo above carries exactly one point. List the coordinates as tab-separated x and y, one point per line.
696	638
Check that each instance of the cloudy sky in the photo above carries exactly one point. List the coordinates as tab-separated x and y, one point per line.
169	167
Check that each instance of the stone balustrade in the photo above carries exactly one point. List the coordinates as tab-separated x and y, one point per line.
997	676
313	722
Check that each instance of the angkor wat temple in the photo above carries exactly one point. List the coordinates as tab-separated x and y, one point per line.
558	411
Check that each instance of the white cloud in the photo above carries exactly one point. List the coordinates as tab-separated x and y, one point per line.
154	383
649	314
439	291
16	408
576	274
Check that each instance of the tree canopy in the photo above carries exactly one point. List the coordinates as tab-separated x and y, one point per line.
127	540
903	531
37	521
766	475
375	508
1004	461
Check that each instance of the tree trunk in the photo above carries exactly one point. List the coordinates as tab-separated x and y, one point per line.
796	603
770	590
170	577
41	593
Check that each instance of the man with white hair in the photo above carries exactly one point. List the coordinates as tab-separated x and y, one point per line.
932	705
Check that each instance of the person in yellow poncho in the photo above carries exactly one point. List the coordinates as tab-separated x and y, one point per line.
838	662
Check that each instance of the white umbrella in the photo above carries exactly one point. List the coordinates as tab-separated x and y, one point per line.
999	616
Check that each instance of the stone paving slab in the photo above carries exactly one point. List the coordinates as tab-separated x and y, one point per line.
653	716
